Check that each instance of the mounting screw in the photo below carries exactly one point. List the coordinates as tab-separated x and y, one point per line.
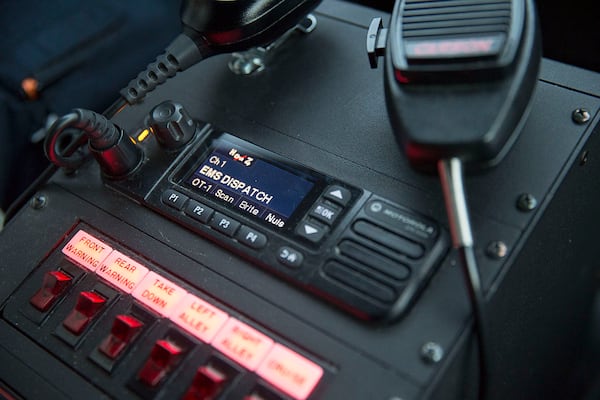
432	353
581	116
583	159
527	202
39	201
496	250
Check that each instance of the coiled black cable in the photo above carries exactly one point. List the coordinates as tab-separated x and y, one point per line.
182	53
92	125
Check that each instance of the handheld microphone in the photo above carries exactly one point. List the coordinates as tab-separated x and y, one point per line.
459	76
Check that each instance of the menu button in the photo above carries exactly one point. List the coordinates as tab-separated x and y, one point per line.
325	213
338	195
310	231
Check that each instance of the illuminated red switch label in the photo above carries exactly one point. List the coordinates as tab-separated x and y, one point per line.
242	343
199	318
86	250
122	271
159	294
290	372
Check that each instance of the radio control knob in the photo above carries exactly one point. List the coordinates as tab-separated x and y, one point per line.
171	124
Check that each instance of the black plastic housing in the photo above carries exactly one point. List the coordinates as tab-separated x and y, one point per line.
454	41
453	112
324	108
232	25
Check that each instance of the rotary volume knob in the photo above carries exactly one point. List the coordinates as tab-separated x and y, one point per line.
171	124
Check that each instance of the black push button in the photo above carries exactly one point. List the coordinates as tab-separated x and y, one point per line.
324	212
338	195
164	357
224	224
389	239
374	260
290	257
359	282
198	211
173	199
251	237
311	231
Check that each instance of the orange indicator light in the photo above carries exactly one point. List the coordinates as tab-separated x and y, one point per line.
143	135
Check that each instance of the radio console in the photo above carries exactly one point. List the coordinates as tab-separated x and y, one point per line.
358	250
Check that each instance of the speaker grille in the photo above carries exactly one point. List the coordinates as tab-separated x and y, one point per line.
459	18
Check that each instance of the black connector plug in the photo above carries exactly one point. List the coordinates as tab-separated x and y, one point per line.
116	153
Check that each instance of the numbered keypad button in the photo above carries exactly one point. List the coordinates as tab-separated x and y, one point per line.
224	224
251	238
198	211
173	199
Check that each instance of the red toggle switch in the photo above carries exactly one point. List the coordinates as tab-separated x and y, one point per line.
207	384
53	286
87	307
123	331
164	356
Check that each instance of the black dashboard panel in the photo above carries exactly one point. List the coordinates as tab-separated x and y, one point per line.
218	289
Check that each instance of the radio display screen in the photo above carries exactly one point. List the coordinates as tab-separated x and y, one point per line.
250	183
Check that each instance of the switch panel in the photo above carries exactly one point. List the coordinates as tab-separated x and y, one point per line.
121	314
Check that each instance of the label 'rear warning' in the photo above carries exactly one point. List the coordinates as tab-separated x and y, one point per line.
121	271
86	250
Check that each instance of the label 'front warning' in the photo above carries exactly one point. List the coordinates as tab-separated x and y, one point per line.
86	250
